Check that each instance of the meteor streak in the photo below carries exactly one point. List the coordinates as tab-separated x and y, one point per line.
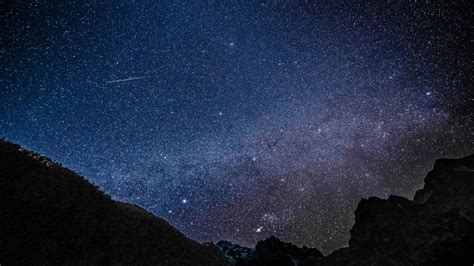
127	79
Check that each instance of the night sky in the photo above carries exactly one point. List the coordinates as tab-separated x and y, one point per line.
239	120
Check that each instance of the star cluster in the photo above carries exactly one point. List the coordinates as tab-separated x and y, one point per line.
237	120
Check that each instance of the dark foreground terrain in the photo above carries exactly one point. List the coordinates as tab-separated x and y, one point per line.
50	215
435	228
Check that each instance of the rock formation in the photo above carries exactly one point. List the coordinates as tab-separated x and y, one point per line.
436	228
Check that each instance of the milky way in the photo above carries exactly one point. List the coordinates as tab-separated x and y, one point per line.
241	120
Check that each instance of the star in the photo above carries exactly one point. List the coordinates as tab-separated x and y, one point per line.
237	110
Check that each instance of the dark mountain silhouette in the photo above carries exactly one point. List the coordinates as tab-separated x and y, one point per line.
435	228
51	215
270	251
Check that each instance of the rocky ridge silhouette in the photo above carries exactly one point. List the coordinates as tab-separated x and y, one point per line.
435	228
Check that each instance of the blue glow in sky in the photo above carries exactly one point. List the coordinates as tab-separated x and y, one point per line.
241	120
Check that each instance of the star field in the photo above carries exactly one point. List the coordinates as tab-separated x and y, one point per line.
235	120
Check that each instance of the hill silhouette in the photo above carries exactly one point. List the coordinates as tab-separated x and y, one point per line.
51	215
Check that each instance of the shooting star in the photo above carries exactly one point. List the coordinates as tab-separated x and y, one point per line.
127	79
